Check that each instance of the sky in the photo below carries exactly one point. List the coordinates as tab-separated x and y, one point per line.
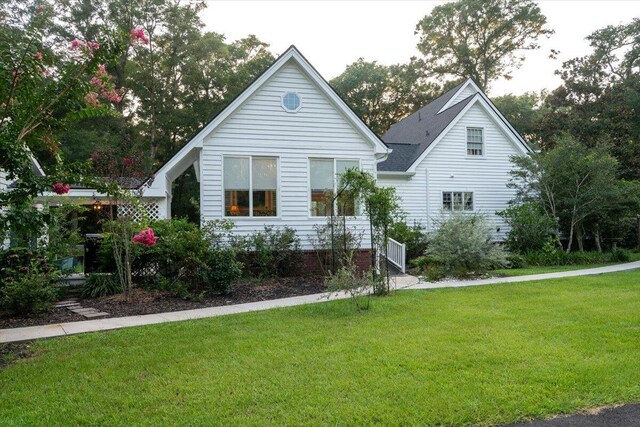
334	34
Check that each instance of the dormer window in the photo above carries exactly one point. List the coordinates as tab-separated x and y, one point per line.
291	102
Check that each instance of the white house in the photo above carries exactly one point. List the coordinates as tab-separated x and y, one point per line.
270	156
453	154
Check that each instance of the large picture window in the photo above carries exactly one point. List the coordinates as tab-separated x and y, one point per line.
323	181
475	142
457	201
250	186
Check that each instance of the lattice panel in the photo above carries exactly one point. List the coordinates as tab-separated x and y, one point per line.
136	212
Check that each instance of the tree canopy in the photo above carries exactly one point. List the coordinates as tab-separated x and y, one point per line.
479	39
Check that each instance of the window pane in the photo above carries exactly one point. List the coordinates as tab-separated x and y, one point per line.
474	141
468	201
343	165
321	174
236	173
446	201
458	204
236	203
321	202
264	173
265	203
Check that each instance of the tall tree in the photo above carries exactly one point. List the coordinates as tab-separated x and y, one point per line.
599	100
382	95
572	182
480	39
525	112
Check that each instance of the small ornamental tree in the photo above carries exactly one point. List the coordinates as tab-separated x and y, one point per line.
127	180
45	87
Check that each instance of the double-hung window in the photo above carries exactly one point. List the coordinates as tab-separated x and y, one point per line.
324	177
250	186
457	201
475	142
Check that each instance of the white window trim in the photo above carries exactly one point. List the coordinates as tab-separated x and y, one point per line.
282	101
335	183
278	192
473	201
466	143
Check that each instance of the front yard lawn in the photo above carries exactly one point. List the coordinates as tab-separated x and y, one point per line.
481	355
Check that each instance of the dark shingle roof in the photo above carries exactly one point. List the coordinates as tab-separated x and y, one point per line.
411	136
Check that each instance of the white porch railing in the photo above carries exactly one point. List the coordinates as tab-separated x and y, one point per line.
396	254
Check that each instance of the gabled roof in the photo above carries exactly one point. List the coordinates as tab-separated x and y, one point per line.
185	157
411	137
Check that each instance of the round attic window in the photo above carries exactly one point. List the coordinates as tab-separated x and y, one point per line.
291	102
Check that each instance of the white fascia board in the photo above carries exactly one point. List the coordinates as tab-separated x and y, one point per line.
462	88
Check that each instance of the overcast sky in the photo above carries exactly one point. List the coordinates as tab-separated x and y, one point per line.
333	34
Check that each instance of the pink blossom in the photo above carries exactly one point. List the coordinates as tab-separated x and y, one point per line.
145	237
92	98
102	69
39	55
96	81
127	160
137	35
75	43
60	188
93	45
47	72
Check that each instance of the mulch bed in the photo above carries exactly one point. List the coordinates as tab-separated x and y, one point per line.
153	301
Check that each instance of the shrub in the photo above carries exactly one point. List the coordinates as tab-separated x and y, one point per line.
461	246
414	237
272	252
357	284
26	287
620	255
530	227
100	285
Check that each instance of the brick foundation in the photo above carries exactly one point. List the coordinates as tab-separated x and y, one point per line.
312	263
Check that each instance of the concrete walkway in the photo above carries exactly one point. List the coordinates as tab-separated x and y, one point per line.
399	282
559	275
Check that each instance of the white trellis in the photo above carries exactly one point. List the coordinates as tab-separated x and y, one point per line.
136	212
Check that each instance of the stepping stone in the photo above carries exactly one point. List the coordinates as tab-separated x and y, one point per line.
68	305
81	310
95	315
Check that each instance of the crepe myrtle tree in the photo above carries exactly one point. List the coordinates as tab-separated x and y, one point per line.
122	175
381	207
45	86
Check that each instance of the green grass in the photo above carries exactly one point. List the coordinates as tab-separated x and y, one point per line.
635	256
482	355
543	269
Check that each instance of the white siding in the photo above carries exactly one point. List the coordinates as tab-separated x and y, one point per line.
486	177
261	127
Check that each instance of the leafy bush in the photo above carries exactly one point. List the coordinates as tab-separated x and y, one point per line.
461	246
551	254
27	281
272	252
100	285
355	283
414	237
189	257
530	227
